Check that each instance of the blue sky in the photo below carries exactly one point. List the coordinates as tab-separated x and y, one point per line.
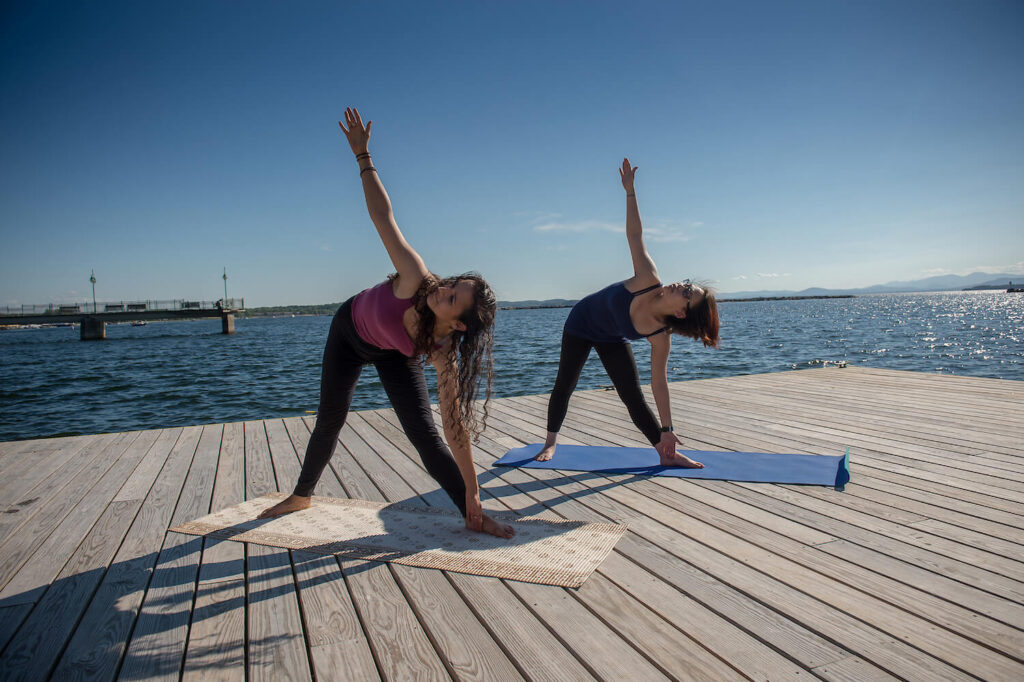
781	145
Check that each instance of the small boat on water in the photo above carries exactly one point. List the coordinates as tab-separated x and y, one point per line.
139	323
1010	289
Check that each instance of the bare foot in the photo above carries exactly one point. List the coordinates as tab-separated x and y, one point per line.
677	460
290	504
547	453
502	530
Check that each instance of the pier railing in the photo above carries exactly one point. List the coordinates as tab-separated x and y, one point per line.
121	307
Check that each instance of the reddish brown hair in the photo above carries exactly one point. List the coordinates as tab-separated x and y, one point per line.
701	323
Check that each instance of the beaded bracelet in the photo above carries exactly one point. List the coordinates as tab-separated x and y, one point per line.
363	155
368	168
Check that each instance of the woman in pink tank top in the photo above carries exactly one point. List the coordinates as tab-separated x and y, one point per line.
391	325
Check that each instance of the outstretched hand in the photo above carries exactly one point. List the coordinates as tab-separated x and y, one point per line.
626	173
358	135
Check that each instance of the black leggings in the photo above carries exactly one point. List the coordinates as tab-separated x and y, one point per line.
403	380
617	357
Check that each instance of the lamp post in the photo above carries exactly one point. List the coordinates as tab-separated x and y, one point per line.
225	286
92	278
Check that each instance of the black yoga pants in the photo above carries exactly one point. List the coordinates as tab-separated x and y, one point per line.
403	380
617	358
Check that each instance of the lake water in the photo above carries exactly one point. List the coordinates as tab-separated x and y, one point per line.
178	373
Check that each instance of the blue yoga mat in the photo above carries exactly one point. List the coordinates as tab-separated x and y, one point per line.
755	467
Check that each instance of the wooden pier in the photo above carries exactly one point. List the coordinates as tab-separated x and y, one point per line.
915	572
93	323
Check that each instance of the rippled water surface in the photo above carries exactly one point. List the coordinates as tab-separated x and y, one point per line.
178	373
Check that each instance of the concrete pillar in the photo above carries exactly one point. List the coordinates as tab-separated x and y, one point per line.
93	329
227	323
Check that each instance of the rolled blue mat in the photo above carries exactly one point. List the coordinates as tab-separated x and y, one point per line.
751	467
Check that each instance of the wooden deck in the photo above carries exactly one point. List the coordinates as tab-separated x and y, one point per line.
915	572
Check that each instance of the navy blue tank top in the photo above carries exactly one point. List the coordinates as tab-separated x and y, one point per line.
603	316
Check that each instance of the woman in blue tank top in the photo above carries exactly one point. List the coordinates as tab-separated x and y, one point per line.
637	308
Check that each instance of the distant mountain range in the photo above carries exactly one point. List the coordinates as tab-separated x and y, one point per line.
549	303
976	280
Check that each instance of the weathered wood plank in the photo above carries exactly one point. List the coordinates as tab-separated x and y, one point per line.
32	551
915	572
99	641
504	616
881	647
33	651
910	565
276	644
671	660
15	548
157	645
464	644
216	638
23	475
938	544
935	649
337	644
931	428
719	635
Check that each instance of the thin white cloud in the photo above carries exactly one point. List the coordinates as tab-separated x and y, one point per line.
668	231
1016	269
654	230
579	226
931	272
537	216
772	275
740	277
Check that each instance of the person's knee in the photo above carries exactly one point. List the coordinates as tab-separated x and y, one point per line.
421	432
329	424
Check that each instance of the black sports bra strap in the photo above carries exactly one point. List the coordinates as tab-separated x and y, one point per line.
654	333
644	291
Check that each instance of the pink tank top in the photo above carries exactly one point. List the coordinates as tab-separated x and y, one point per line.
377	315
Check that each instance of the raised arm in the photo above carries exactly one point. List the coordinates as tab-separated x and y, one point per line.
644	271
410	267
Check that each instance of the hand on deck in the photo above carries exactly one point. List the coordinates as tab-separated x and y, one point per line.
669	457
358	135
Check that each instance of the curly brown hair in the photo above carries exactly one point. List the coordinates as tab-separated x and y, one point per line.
470	350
